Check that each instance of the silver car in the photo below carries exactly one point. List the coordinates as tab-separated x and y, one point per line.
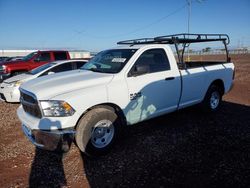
9	89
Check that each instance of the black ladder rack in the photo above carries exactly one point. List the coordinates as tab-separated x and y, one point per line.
178	38
184	38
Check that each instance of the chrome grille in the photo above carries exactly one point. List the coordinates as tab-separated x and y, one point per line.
30	104
27	98
2	97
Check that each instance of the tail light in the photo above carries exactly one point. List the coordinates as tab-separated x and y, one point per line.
234	74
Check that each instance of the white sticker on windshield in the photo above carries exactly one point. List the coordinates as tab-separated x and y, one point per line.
118	60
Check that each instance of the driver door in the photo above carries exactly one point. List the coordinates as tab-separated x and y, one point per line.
153	87
41	59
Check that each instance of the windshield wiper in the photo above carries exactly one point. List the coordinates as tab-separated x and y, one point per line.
93	70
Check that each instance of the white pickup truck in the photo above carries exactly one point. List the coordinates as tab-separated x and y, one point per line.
138	80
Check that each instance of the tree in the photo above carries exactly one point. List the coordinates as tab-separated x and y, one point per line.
207	49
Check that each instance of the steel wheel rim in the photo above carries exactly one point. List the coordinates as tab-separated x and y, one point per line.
215	100
102	133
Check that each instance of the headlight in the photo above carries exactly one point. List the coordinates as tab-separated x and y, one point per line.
4	68
56	108
15	84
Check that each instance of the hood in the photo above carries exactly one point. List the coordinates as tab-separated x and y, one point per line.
18	77
10	62
46	87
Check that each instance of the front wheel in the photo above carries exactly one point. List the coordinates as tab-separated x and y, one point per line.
97	131
212	100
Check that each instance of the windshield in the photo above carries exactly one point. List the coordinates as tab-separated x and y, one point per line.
8	59
41	68
109	61
28	57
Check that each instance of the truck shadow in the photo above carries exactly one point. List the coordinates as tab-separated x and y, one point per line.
187	148
47	170
47	167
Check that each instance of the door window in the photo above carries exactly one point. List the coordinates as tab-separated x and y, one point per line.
43	57
155	60
61	68
60	55
79	64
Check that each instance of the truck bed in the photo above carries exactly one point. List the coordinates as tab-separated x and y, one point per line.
196	64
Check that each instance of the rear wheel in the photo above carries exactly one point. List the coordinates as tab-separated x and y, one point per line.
97	131
212	100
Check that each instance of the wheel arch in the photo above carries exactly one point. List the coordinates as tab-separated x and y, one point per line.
220	84
110	106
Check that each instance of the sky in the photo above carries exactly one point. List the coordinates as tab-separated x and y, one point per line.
96	25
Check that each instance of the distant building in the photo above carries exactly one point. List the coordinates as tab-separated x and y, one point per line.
11	53
79	54
73	53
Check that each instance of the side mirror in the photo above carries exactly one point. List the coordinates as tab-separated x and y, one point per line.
37	60
139	70
50	72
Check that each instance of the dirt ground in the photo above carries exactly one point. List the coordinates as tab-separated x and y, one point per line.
187	148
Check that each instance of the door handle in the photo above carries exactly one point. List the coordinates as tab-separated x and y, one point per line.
170	78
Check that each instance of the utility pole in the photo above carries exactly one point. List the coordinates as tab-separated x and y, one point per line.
189	2
189	16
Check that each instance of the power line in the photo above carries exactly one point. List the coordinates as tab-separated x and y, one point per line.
159	20
138	29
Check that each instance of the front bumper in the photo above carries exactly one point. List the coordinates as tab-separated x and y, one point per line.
9	94
46	133
50	140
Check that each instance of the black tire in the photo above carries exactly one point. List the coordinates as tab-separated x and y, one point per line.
213	98
94	139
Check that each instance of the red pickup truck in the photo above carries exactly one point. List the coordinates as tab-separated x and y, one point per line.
31	61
